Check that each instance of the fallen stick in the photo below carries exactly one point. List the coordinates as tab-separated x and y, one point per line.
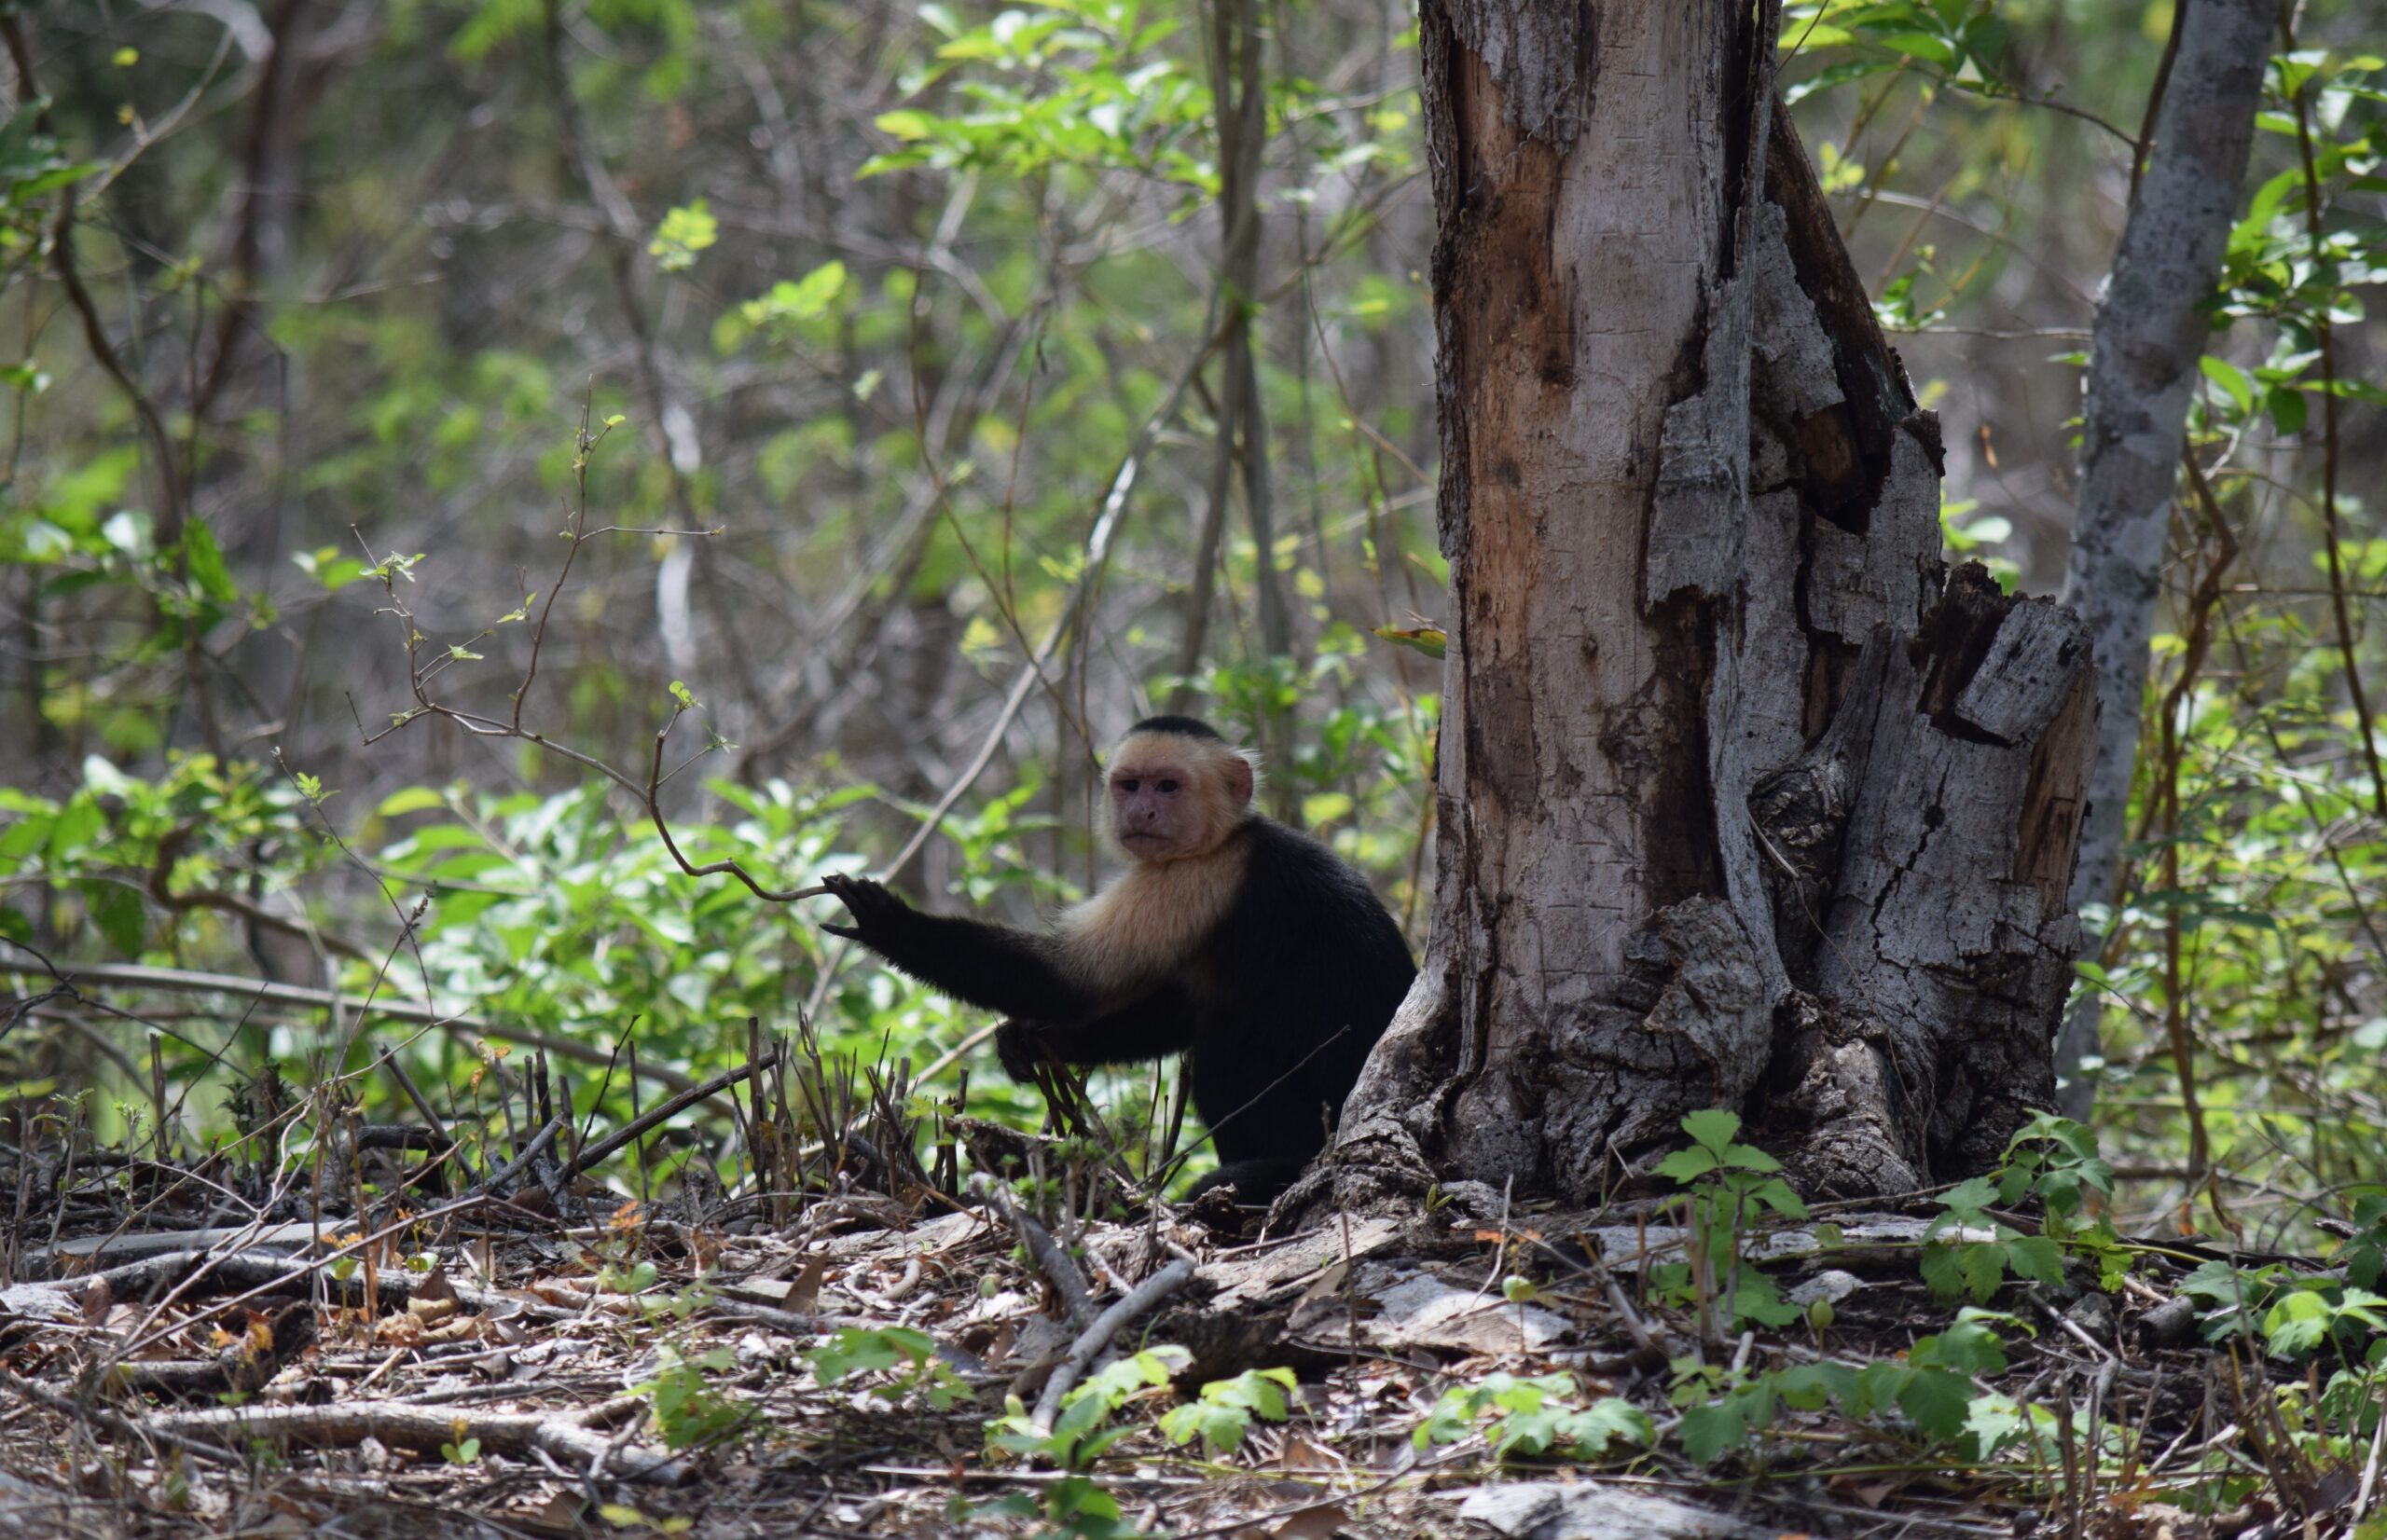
572	1438
514	1167
1096	1337
1060	1268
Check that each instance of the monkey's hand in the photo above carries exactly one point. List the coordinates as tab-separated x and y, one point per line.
1022	1048
877	912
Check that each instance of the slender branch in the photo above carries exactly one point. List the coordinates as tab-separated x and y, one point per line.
1060	1268
1096	1337
663	1112
2145	145
2325	337
136	976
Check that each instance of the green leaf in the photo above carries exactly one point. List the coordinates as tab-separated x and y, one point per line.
1938	1401
1942	1271
906	124
788	303
855	1350
1688	1165
1713	1127
2036	1257
684	232
2232	380
411	798
1983	1266
1430	640
2286	407
1714	1430
25	836
120	916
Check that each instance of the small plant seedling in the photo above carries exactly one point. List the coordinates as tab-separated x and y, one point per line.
1223	1415
1728	1187
910	1354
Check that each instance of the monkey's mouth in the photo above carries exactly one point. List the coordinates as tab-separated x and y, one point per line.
1140	835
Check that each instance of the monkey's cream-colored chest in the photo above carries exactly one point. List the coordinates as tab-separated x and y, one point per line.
1143	929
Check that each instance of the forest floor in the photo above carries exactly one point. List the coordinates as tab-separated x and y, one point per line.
840	1367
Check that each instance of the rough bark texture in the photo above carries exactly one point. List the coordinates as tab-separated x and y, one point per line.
1731	772
2142	367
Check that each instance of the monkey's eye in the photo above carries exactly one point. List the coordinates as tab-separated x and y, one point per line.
1126	785
1167	785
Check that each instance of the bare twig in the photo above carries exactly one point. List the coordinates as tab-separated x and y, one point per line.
1096	1337
663	1112
568	1436
1060	1268
2325	339
182	981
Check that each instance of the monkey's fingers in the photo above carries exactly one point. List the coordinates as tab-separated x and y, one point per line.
1022	1051
851	932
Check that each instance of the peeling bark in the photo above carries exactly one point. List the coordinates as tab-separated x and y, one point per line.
1731	772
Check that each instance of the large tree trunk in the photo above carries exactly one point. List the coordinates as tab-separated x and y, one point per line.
1744	802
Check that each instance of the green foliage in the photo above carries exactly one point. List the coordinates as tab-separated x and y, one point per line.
1969	1251
137	863
555	911
2364	1254
1085	86
1223	1415
1080	1433
1532	1416
1930	1388
1076	1506
791	304
1728	1187
918	1371
684	232
1959	44
32	167
1956	1262
687	1408
2295	1314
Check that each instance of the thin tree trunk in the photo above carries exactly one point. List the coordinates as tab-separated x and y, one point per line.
1742	801
1239	87
2142	369
1239	79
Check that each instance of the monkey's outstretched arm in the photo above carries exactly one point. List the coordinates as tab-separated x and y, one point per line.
992	965
1153	1027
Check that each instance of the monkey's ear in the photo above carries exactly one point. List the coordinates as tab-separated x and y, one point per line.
1242	774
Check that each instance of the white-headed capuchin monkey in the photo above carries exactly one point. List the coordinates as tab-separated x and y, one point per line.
1253	948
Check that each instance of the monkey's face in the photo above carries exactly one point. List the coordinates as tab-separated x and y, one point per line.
1156	811
1174	796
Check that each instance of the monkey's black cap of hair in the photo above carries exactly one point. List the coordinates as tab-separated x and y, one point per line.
1183	727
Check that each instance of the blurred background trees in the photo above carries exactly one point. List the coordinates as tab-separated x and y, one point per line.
1095	335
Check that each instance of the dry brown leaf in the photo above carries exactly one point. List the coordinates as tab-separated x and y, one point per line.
563	1511
401	1330
805	1292
1316	1524
432	1312
1328	1282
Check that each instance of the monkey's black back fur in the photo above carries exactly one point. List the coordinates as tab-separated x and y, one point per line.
1276	1010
